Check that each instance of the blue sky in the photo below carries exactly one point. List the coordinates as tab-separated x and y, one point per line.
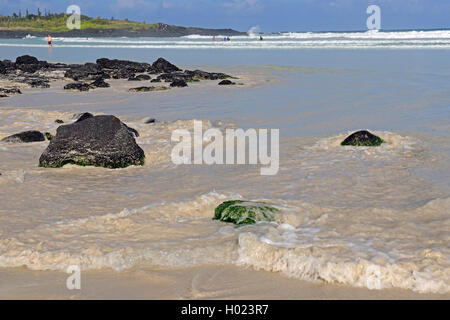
269	15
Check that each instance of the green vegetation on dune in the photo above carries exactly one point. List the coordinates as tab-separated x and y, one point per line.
57	23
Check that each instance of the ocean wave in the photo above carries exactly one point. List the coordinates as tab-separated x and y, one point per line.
317	248
170	234
313	263
439	39
313	243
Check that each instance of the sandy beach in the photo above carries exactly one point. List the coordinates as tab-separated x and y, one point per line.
197	283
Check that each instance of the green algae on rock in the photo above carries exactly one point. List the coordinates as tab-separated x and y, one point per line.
242	212
362	139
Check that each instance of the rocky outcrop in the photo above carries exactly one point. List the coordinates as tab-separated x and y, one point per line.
77	86
179	83
141	77
203	75
102	141
30	64
5	91
163	66
226	83
136	67
88	71
38	74
25	137
99	83
362	139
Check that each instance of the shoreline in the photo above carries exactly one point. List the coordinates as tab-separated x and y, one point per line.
165	31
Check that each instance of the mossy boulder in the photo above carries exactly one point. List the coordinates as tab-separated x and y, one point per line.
362	139
242	212
102	141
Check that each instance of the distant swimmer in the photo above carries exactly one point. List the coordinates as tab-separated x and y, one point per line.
261	38
228	39
49	40
214	38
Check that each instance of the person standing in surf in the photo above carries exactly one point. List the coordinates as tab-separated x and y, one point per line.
49	39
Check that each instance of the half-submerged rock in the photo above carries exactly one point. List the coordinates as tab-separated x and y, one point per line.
179	83
77	86
148	89
84	116
25	137
226	83
102	141
362	139
244	212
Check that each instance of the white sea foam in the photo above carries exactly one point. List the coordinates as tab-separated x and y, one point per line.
438	39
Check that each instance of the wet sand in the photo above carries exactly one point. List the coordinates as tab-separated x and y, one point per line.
206	282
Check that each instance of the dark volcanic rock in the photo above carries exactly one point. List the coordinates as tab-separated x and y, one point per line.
226	83
203	75
131	66
98	141
148	89
155	80
10	91
2	95
141	77
2	67
26	59
30	64
25	137
77	86
59	121
174	76
99	83
121	74
179	83
38	83
362	139
162	65
88	71
84	116
149	121
7	66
